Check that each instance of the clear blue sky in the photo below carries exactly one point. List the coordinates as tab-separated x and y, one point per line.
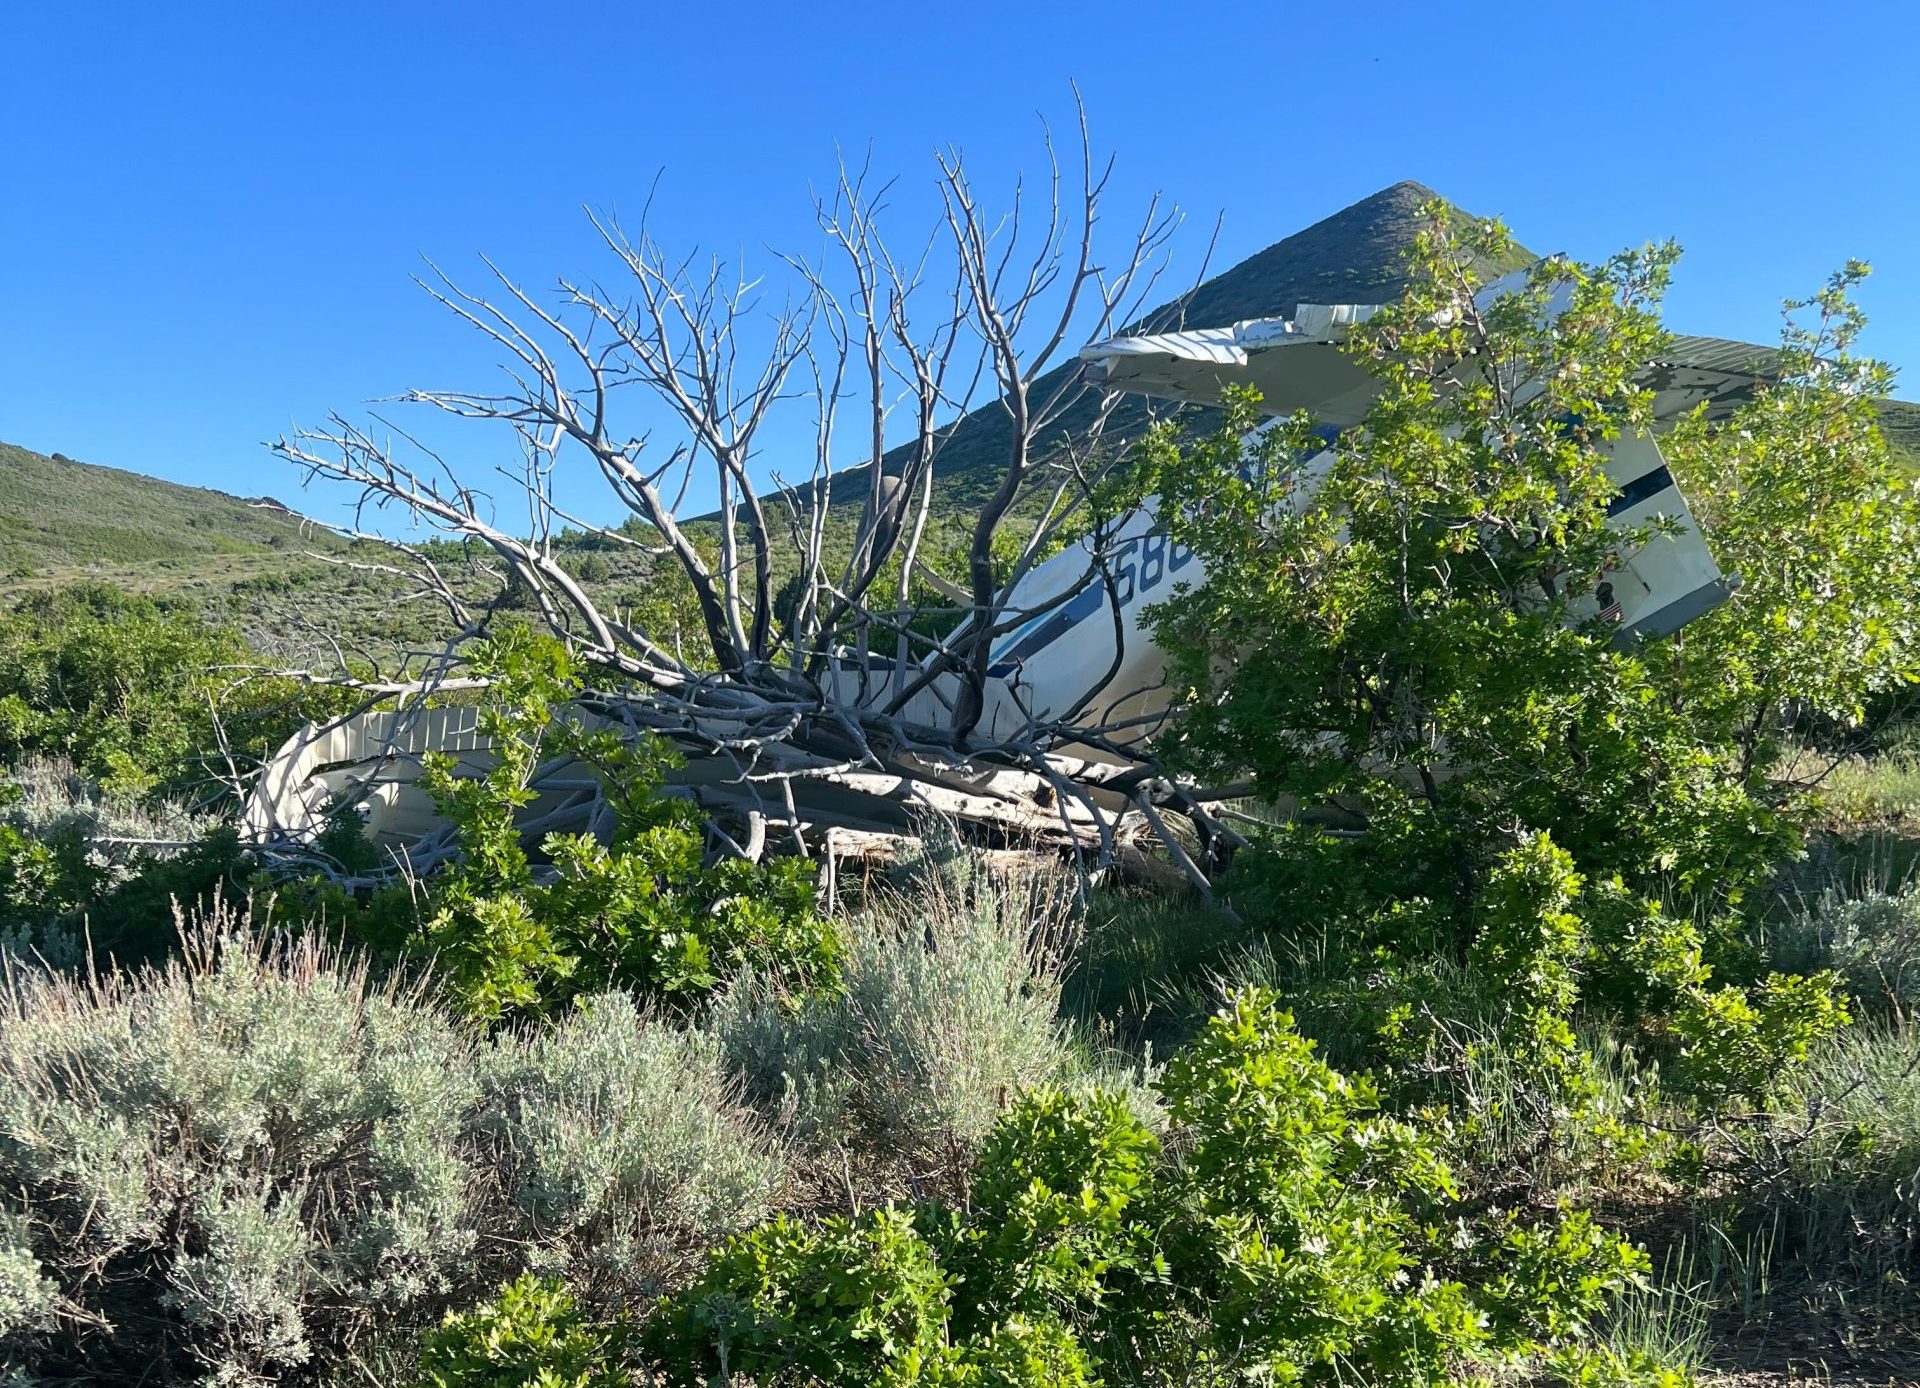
211	211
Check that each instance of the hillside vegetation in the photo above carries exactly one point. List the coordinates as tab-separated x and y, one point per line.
1901	421
961	1112
58	514
1581	1054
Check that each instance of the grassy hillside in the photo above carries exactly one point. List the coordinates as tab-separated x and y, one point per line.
1901	421
58	514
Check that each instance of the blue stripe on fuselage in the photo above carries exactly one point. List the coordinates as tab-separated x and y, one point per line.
1050	628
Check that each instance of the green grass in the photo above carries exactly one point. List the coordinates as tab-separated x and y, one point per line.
1900	421
1875	792
1146	964
1670	1319
1851	1154
59	514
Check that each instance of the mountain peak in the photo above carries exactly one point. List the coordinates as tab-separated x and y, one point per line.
1407	190
1355	256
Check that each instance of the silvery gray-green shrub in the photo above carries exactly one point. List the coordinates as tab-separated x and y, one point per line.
224	1163
622	1144
238	1167
1874	943
947	1006
27	1294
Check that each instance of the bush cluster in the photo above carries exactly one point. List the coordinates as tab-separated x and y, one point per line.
1873	943
597	1108
1284	1231
129	689
622	1145
241	1163
1843	1159
533	1335
1415	637
646	910
945	1007
82	867
221	1164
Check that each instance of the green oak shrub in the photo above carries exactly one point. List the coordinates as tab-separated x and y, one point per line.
645	911
1282	1231
1414	642
532	1335
129	687
844	1300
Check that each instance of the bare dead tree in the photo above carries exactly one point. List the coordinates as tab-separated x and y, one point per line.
854	694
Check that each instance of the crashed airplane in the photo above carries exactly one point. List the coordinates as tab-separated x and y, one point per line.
1076	655
1065	657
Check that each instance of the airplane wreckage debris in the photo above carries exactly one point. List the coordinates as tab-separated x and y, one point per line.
847	762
